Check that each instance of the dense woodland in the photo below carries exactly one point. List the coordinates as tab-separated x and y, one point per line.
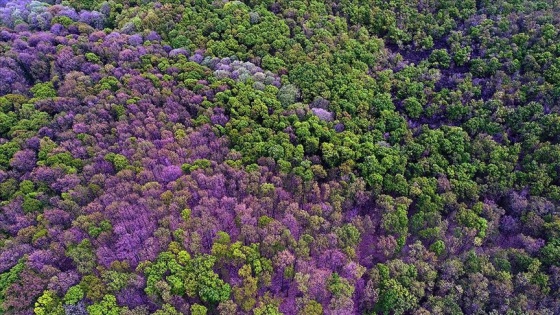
279	157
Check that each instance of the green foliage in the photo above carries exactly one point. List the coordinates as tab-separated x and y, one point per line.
104	226
83	256
20	120
461	56
472	220
26	187
7	150
348	235
63	20
394	297
31	204
267	309
73	295
91	57
84	5
413	107
108	83
330	155
440	58
64	160
107	306
119	161
8	278
551	252
339	287
438	247
167	310
272	63
194	277
395	217
186	214
8	189
48	304
312	308
7	121
265	220
197	309
197	164
43	90
116	280
209	287
245	295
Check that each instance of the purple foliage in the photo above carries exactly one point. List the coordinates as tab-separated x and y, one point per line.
135	40
75	309
132	298
93	18
63	281
320	103
11	254
153	36
322	114
219	118
509	224
171	173
24	161
198	57
39	259
178	51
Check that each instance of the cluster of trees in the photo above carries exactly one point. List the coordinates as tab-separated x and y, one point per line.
279	157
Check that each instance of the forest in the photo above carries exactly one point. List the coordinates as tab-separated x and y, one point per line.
267	157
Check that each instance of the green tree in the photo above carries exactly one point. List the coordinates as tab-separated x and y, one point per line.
8	278
43	90
551	252
440	57
413	107
167	309
48	304
348	235
312	308
73	295
185	275
267	309
205	282
119	161
438	247
107	306
197	309
83	256
330	155
394	298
